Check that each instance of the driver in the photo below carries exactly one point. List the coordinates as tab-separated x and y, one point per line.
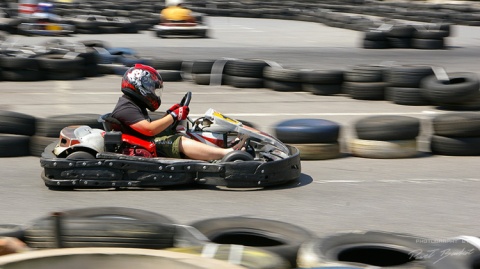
142	88
176	12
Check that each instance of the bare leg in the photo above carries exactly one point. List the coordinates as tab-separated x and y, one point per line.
199	151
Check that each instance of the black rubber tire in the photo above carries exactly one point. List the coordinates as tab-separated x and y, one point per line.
243	82
245	68
407	76
22	75
387	127
51	126
399	42
283	86
375	35
365	73
111	212
171	75
375	44
248	257
373	248
463	124
461	87
430	34
12	230
281	74
166	64
327	77
322	89
39	143
455	146
65	231
429	44
304	131
401	31
407	96
278	237
202	66
60	62
365	90
17	62
17	123
80	155
201	79
14	145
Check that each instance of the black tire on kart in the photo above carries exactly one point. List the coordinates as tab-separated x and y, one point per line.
304	131
371	248
278	237
387	127
80	155
236	156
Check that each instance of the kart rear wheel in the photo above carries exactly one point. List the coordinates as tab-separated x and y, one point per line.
237	155
80	155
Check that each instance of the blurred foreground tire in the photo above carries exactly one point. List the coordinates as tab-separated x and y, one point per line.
278	237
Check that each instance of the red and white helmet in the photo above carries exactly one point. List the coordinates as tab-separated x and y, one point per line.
144	84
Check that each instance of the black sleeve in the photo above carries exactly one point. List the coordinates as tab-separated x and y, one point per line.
128	113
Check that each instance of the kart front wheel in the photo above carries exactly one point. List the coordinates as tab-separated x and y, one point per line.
80	155
237	155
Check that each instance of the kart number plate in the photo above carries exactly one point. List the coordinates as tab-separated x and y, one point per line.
223	117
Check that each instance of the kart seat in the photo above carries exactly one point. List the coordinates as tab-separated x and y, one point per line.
110	123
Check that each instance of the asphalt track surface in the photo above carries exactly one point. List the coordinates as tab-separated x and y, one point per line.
431	196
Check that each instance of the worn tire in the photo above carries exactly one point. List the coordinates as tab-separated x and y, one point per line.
455	146
376	149
52	125
17	123
14	145
319	151
461	88
248	257
387	127
359	249
463	124
278	237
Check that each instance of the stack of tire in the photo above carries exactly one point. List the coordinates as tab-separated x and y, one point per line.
316	139
456	134
385	137
169	69
16	130
48	129
322	82
400	36
457	91
379	249
201	71
19	66
365	82
404	84
375	39
432	37
282	79
244	73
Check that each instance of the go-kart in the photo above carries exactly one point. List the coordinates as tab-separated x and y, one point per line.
195	28
86	157
48	24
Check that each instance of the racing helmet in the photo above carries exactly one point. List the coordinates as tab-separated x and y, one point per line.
143	84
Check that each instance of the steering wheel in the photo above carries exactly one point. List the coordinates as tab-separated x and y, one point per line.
186	99
185	102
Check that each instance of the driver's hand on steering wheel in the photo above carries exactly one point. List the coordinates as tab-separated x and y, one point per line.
180	113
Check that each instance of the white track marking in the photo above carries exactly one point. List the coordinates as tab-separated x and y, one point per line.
396	181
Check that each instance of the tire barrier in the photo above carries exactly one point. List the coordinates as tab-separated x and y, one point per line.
316	139
278	237
385	137
248	242
15	131
456	134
